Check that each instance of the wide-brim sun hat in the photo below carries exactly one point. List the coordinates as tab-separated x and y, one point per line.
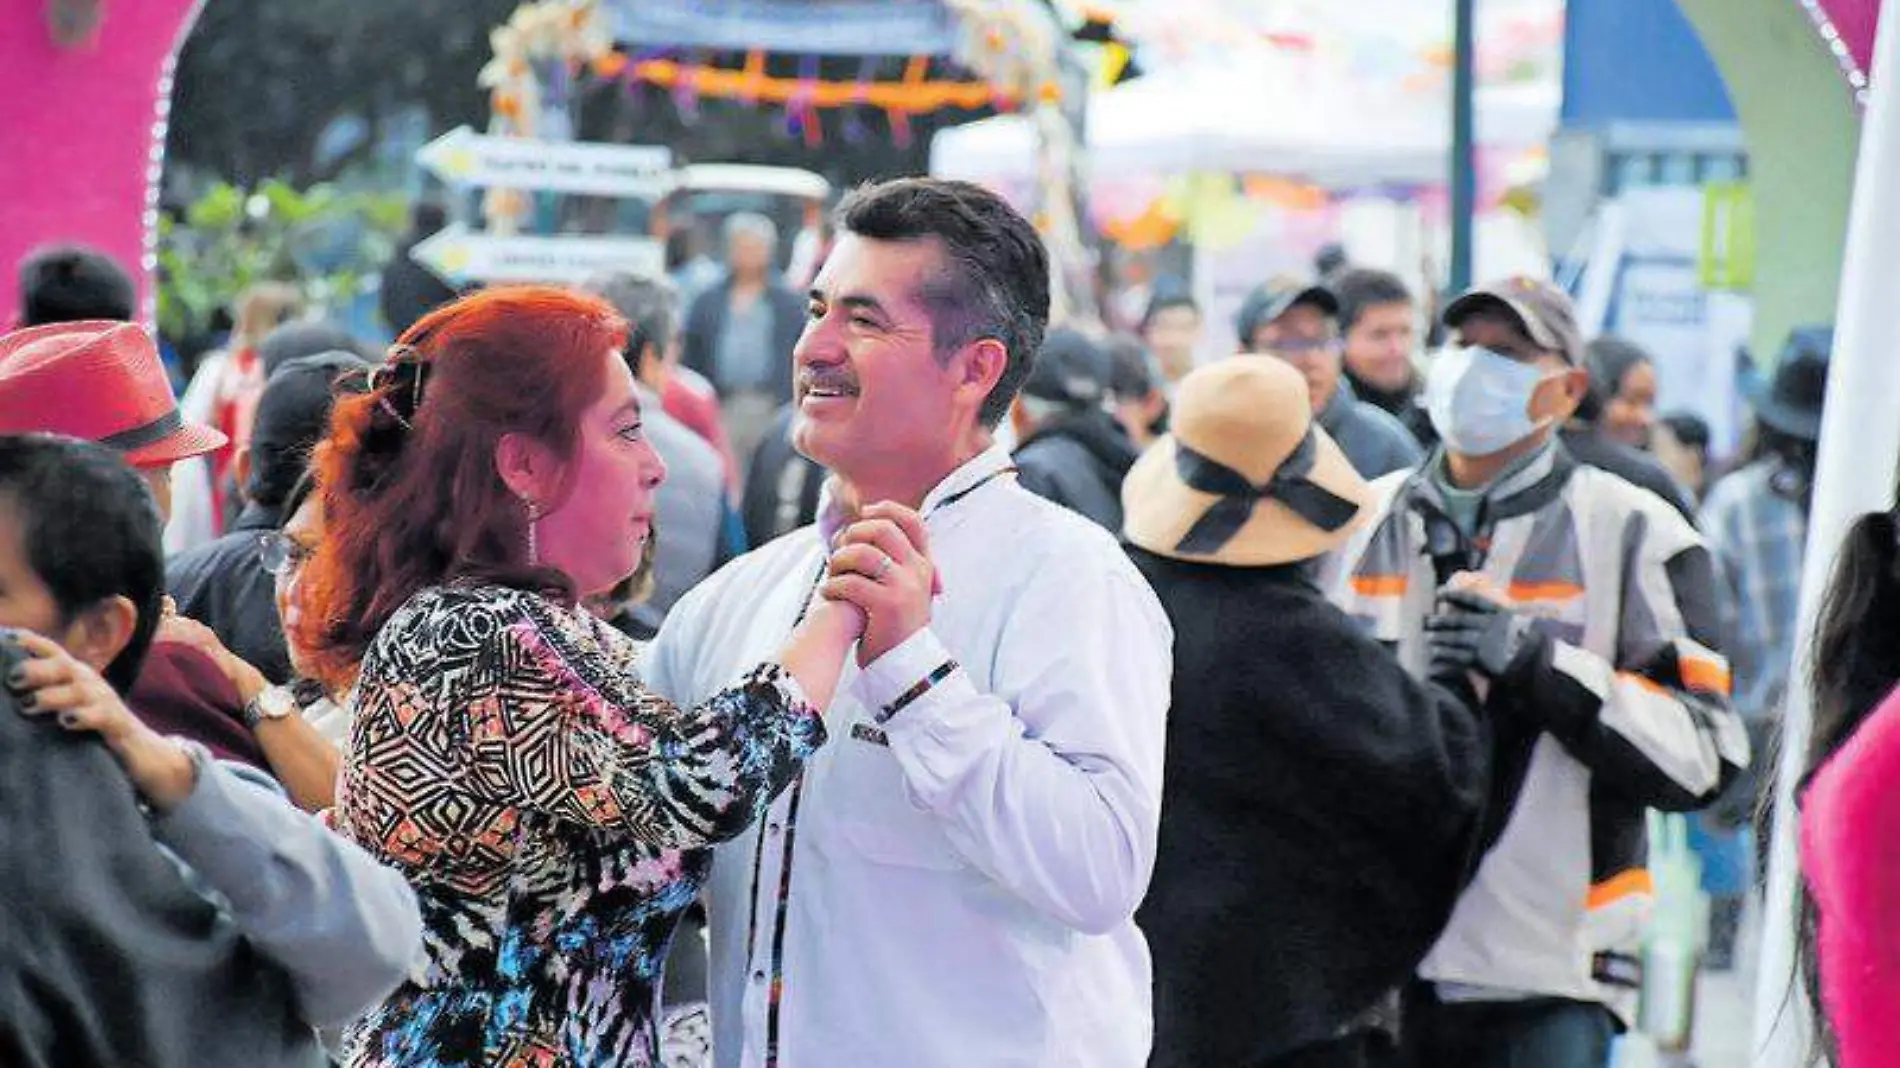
1244	478
99	381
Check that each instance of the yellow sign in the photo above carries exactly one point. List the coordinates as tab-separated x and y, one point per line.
1727	259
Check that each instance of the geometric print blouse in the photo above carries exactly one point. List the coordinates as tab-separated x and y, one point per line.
553	816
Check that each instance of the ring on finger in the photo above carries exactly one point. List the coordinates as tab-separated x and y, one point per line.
883	569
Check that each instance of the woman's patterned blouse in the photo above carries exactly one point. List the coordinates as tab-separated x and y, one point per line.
554	818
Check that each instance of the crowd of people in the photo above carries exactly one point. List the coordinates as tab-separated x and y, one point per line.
697	671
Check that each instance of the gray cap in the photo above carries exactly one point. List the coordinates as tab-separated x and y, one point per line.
1544	311
1275	298
1069	369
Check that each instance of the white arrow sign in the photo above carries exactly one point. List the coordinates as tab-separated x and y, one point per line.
458	255
464	157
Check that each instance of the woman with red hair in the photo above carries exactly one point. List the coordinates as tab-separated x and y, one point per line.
551	812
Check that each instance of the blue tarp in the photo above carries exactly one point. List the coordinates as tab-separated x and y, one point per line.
813	27
1637	61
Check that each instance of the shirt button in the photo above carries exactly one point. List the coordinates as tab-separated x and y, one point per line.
758	976
775	828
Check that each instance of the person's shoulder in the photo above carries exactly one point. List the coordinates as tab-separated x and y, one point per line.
1388	426
685	452
1622	499
1053	543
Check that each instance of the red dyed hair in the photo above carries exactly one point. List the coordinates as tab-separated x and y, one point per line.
411	506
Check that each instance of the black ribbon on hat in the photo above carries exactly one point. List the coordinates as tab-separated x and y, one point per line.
1289	485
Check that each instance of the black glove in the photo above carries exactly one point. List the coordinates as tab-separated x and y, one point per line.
1474	633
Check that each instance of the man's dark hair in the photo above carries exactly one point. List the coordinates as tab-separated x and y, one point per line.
91	531
72	283
995	277
1359	288
650	306
1163	301
1131	371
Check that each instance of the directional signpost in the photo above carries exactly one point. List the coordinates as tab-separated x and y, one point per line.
459	255
464	157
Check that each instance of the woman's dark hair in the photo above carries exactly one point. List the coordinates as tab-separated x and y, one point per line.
1609	361
1855	661
995	277
91	532
411	494
1691	431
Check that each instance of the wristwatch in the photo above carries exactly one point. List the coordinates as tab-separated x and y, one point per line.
273	702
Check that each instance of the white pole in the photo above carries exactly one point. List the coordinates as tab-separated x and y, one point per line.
1859	452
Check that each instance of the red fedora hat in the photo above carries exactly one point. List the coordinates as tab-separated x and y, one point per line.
101	381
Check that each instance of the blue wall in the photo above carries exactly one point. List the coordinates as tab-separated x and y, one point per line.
1637	61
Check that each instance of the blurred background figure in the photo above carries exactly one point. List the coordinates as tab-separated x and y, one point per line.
1134	389
695	528
781	485
1069	448
69	283
1378	323
1622	399
1171	328
1756	523
740	333
1681	444
410	290
1297	321
225	583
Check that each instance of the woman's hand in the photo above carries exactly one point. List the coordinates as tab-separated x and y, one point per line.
50	682
184	630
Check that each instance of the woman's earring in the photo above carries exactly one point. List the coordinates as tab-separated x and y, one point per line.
534	515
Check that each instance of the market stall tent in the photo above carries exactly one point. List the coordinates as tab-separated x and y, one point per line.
1332	134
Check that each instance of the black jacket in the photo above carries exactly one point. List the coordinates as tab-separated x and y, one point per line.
706	320
1078	460
1320	815
223	585
781	485
108	956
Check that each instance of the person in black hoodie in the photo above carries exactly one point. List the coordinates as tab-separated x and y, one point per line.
1071	450
1322	809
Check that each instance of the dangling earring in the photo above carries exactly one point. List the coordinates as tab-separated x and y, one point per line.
534	550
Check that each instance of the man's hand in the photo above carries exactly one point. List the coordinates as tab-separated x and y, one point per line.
1472	632
881	563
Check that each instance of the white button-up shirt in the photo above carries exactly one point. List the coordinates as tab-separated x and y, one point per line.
956	885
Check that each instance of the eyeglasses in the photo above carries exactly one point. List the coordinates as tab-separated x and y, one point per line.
281	554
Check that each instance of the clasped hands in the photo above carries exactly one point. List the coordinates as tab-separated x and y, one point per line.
880	575
1476	633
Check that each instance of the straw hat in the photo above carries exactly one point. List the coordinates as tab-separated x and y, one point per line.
100	381
1244	479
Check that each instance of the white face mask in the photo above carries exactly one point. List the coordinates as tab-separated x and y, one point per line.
1480	401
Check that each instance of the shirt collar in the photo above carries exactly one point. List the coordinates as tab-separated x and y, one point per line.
833	516
1521	475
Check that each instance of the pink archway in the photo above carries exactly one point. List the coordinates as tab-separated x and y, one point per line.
85	86
1847	29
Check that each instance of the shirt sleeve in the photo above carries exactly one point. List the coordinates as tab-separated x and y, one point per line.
1051	782
1655	723
343	927
544	732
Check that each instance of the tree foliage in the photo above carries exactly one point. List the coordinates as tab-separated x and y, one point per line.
259	81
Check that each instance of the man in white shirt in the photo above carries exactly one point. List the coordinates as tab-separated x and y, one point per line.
954	880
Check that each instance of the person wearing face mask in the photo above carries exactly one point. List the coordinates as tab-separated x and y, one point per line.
1583	609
